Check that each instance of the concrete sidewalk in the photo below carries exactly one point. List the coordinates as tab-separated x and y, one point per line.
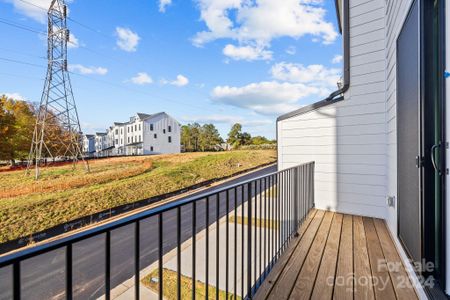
126	290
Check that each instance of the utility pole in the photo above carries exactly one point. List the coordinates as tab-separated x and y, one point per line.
57	133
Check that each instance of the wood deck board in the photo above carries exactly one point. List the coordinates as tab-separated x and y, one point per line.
339	257
287	278
343	288
323	287
305	281
400	280
274	274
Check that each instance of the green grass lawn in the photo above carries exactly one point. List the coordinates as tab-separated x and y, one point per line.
170	287
28	206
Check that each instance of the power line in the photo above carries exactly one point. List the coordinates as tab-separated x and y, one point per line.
21	62
20	26
111	84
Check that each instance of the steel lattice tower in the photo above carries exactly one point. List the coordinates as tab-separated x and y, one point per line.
57	133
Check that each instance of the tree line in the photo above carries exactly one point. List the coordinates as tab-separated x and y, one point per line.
17	123
196	137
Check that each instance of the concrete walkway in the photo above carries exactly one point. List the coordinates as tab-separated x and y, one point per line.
126	290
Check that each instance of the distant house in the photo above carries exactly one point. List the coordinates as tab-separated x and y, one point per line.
143	134
88	144
100	144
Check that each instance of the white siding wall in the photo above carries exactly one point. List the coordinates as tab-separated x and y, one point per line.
348	140
161	143
396	12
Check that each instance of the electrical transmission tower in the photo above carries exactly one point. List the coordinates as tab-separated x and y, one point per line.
57	133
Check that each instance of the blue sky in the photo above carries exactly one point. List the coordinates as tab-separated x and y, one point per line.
218	61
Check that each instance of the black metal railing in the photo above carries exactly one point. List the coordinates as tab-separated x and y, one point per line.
226	241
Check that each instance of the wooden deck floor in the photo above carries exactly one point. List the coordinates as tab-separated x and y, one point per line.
339	257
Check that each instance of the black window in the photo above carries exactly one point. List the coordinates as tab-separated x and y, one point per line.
128	140
151	127
139	126
128	129
170	139
121	130
117	131
151	148
170	128
164	131
155	136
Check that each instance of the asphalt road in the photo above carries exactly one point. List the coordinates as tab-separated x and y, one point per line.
43	277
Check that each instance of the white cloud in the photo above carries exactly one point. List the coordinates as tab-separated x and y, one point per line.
163	4
88	70
258	22
291	50
73	41
226	119
337	59
247	53
141	78
313	75
127	40
268	98
15	96
35	9
179	81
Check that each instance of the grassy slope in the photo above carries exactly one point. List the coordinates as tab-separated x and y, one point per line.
28	206
170	287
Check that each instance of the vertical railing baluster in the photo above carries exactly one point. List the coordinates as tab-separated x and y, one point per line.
194	246
274	221
137	260
207	250
249	241
227	229
179	252
260	230
108	266
17	289
242	241
217	243
266	223
69	272
160	256
255	245
235	243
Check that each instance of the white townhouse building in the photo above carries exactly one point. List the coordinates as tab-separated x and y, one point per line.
101	144
150	134
143	134
88	144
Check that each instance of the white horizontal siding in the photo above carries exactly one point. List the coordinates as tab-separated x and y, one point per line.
347	140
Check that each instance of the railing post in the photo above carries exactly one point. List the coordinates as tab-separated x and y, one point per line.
249	241
296	199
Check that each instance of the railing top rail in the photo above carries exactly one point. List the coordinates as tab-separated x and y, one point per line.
8	259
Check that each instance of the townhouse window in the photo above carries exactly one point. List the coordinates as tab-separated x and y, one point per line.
170	139
117	131
170	128
121	130
117	141
139	127
151	148
164	131
131	128
140	139
121	141
135	127
155	136
151	127
128	140
128	129
132	139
